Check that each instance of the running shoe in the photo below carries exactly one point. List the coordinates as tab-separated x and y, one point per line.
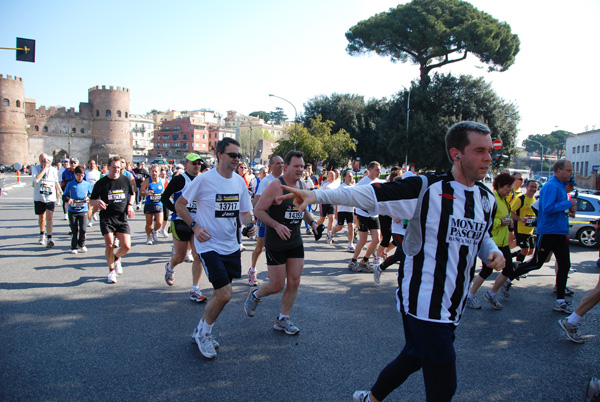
50	243
117	243
252	278
353	266
169	274
90	224
251	303
42	240
308	231
112	277
242	248
365	267
197	296
505	288
188	256
592	392
205	345
74	251
351	248
329	238
163	233
154	237
83	249
149	240
493	301
473	302
215	343
377	273
571	330
118	266
568	292
286	325
95	216
360	396
66	217
563	307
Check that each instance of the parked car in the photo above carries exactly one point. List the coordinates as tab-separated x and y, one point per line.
580	228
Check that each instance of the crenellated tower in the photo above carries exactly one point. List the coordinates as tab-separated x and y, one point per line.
110	123
14	143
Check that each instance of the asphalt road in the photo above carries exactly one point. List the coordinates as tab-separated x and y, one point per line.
66	335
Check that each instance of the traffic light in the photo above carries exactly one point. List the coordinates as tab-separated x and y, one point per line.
26	50
499	160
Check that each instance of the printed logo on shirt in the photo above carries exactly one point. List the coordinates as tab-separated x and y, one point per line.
485	202
227	205
465	231
116	196
447	196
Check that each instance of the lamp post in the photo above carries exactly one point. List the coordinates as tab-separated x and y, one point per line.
542	158
407	120
295	118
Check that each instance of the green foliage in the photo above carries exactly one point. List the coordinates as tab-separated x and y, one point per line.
277	116
318	143
429	32
249	140
261	115
554	143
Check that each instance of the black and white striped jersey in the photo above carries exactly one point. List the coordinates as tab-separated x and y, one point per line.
449	228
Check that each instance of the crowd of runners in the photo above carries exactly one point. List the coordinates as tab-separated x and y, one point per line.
436	227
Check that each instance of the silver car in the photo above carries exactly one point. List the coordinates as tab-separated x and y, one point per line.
580	228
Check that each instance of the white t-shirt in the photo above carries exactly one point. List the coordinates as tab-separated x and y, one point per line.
365	181
45	189
92	176
264	183
219	201
345	208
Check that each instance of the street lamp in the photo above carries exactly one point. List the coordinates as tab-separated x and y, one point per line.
407	120
542	158
295	118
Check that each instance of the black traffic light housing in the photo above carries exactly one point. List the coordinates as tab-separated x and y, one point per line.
26	50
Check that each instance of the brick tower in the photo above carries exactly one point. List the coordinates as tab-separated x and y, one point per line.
14	144
110	123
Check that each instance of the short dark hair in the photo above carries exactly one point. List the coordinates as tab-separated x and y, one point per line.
458	135
372	164
502	180
221	145
290	155
531	181
112	159
79	169
272	159
559	164
307	165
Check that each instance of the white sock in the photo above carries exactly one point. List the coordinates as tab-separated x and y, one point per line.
491	293
560	301
252	269
282	316
573	319
195	287
206	329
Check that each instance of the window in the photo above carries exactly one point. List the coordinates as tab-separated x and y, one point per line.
82	131
208	135
165	137
108	114
45	129
578	148
97	113
584	206
203	136
166	128
73	130
166	145
574	150
126	115
185	136
175	136
18	103
587	148
37	128
185	146
6	102
118	113
595	147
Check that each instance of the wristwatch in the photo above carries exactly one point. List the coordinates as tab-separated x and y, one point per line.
192	225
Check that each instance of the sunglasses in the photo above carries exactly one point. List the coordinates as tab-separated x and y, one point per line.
233	155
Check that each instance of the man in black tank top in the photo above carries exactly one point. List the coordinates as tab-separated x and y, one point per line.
283	243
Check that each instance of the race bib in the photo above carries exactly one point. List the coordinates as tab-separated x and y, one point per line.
530	220
155	197
292	216
116	196
78	205
45	189
227	205
192	207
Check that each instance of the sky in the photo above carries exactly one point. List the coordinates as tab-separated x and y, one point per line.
230	55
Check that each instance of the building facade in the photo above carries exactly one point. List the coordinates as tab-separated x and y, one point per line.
174	139
142	133
583	150
99	129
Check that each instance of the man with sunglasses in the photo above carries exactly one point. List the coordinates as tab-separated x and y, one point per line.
223	205
183	237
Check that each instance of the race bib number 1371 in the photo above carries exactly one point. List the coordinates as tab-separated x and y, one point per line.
227	205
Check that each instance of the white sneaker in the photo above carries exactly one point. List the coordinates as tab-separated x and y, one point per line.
95	216
242	248
42	240
188	256
377	273
74	251
351	248
83	249
66	218
112	277
118	267
149	241
163	233
154	237
90	224
117	243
